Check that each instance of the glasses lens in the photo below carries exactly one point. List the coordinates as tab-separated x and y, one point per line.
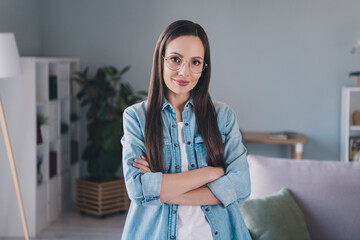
174	62
197	65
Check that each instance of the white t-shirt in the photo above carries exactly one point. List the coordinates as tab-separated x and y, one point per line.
192	223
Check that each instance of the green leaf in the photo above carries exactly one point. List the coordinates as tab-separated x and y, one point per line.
84	103
81	94
354	74
86	72
144	93
78	78
100	75
92	92
122	103
124	70
111	70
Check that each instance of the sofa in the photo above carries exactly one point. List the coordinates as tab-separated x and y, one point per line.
327	192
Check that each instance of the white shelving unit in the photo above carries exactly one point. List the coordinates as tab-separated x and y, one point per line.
24	97
350	101
59	170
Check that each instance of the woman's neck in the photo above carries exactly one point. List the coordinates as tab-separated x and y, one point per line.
178	103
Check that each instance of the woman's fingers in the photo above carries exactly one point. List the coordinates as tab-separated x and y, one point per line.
142	164
142	168
142	161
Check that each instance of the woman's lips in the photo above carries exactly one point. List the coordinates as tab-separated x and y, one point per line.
182	82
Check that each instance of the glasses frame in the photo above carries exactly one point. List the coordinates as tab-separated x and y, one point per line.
183	62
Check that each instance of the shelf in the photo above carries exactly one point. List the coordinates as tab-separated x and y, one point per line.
40	104
50	195
354	128
54	101
350	102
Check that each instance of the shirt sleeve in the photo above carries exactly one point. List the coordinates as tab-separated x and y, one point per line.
143	189
235	186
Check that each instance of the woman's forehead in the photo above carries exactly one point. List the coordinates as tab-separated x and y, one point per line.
186	46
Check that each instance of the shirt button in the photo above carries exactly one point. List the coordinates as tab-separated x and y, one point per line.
174	211
172	237
177	167
189	143
176	145
216	233
206	209
186	124
192	165
174	126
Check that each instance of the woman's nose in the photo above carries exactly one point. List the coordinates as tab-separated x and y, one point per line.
184	69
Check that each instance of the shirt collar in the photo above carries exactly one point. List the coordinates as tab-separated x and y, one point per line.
166	103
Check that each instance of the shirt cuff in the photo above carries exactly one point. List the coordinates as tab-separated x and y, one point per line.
223	190
151	187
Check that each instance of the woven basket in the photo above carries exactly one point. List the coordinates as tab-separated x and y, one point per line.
101	198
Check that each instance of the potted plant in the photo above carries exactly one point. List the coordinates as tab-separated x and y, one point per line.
106	97
357	73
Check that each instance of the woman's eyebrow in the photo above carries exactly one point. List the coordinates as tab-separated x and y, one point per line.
183	56
176	54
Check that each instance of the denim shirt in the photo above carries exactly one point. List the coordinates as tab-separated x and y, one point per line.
148	217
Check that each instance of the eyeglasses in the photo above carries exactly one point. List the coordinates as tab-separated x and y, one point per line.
175	62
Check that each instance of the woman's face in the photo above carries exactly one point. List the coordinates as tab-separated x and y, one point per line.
183	58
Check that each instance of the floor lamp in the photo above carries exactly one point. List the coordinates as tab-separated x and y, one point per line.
10	67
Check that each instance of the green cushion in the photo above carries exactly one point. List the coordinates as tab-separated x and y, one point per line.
274	217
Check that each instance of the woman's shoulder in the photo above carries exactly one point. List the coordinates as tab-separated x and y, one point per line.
225	114
221	107
137	110
137	107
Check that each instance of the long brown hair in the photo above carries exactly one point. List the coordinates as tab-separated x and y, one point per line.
205	114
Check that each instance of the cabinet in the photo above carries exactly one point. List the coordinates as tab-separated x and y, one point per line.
350	102
47	169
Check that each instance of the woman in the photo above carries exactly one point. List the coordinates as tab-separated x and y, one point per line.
184	163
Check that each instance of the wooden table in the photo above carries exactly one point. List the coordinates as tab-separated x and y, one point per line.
296	140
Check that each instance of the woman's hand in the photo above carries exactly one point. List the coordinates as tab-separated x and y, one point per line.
142	164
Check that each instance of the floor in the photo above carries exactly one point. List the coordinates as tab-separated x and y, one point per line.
73	225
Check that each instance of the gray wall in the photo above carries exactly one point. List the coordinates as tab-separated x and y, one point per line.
22	18
280	64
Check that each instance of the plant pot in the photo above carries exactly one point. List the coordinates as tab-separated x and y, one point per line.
101	198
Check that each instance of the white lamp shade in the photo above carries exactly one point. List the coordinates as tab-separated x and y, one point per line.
9	56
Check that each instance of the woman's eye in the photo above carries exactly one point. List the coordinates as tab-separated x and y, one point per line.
175	59
196	62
